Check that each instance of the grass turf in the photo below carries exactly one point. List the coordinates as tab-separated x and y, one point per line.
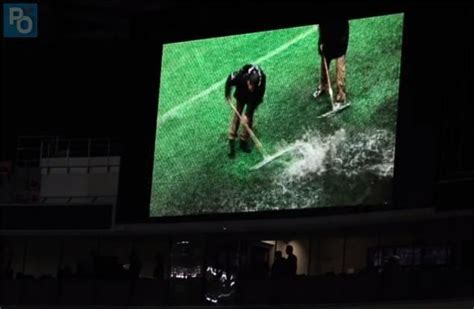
192	173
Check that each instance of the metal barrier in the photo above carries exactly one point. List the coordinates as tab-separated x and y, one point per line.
46	155
32	149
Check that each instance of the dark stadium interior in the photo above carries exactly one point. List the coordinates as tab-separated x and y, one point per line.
78	121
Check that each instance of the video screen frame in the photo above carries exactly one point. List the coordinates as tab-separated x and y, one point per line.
288	212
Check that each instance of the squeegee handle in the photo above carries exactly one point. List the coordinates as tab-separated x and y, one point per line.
254	138
326	68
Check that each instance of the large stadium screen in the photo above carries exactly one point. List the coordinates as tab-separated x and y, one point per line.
296	118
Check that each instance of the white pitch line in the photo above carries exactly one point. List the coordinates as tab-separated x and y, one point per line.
175	110
286	45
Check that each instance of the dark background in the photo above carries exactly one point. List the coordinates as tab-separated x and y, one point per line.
94	71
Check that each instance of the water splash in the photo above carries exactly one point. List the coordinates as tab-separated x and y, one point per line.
311	155
340	153
342	168
336	169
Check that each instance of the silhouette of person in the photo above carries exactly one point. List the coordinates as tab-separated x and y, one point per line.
279	266
291	262
158	271
333	43
135	265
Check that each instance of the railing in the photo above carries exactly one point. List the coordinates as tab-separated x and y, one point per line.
38	156
67	200
31	149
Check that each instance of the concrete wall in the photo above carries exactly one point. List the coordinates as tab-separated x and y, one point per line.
330	254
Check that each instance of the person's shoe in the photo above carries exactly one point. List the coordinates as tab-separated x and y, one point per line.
341	98
337	106
319	92
245	146
231	153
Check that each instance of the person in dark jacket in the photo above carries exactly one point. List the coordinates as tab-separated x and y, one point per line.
291	262
278	270
333	43
249	83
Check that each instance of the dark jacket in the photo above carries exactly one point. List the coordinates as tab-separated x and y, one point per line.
239	80
278	270
292	262
334	36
